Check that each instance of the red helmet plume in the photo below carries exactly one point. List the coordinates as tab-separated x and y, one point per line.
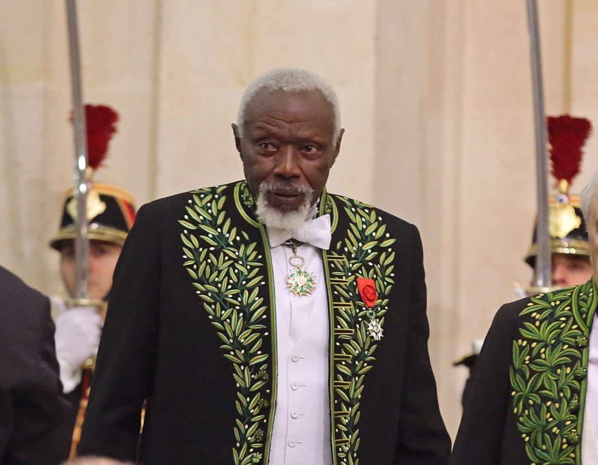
567	135
101	124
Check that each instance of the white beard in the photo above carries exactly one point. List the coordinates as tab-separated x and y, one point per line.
273	218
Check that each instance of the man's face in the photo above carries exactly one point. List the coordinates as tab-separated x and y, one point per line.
570	270
287	144
102	261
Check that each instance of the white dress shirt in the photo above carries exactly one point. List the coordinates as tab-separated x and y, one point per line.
301	431
589	440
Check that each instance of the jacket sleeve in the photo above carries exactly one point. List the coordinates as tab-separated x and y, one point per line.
423	439
34	415
127	353
480	436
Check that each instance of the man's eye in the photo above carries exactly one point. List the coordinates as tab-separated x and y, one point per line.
310	148
99	251
266	146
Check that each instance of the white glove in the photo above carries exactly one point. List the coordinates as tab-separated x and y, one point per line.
519	290
77	339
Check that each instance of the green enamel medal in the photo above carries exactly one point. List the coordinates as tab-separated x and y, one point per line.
299	281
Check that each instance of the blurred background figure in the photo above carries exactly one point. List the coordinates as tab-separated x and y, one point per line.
110	215
32	411
569	246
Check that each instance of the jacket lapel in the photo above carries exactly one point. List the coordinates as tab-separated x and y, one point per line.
230	269
548	373
360	249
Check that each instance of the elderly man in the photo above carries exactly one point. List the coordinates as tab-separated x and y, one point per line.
536	386
267	321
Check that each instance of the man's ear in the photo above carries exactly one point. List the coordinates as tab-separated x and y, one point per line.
337	149
237	137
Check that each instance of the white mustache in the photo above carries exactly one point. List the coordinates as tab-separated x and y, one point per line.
285	189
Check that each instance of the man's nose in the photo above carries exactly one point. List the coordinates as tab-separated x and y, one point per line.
288	162
559	275
91	263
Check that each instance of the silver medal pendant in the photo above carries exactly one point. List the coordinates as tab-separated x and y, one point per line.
375	329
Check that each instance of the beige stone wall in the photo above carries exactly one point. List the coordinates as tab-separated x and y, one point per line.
175	72
436	101
455	149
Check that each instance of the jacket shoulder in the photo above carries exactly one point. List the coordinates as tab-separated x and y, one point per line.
177	201
510	313
14	288
388	218
514	312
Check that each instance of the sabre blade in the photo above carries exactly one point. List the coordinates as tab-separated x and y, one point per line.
542	278
80	141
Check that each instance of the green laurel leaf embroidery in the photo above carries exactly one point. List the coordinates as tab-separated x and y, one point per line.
544	371
227	276
369	256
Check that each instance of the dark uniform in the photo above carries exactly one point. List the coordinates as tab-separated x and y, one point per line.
527	399
32	411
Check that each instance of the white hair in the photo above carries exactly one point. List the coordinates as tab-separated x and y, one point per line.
588	196
290	80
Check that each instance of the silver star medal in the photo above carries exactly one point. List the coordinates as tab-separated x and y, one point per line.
374	329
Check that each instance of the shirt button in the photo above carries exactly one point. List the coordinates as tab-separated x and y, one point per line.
294	414
295	358
292	443
294	386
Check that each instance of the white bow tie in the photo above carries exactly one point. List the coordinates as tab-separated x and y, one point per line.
315	232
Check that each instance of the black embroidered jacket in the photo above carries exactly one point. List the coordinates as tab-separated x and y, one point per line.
191	328
526	405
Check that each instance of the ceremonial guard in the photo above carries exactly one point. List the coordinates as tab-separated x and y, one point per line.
535	384
568	234
110	213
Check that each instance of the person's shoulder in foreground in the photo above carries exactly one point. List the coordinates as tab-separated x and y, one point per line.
527	390
534	397
32	412
205	281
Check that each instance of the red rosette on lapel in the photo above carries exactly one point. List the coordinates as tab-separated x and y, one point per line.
367	291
